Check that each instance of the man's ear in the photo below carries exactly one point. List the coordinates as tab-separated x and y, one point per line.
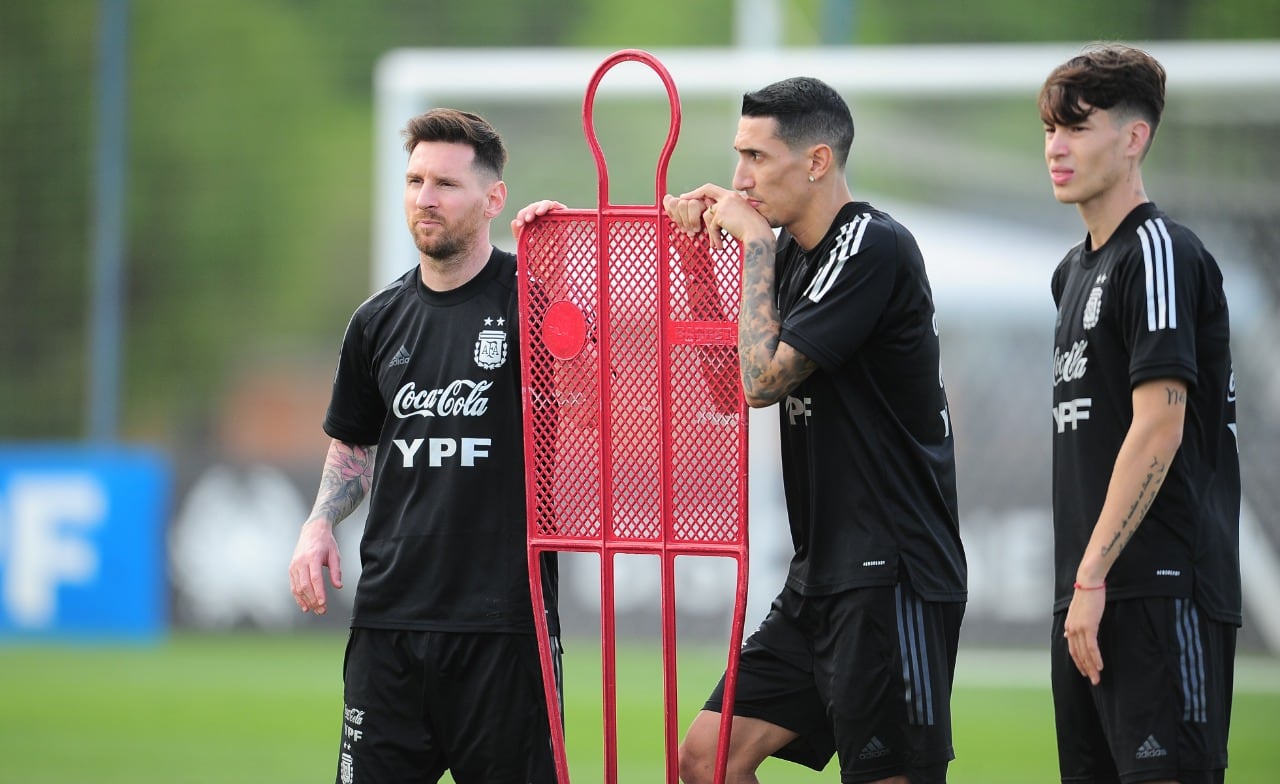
820	161
1139	138
495	199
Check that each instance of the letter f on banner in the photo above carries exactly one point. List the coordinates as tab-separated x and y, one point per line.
48	523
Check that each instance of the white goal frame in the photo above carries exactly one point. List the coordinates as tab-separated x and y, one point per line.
409	81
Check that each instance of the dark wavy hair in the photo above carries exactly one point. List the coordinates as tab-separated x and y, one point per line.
459	127
1112	77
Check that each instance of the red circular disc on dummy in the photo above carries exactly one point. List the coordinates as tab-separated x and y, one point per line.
564	329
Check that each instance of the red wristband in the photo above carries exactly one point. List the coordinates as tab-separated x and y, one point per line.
1080	587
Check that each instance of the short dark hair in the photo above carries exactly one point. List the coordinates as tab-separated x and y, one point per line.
808	111
459	127
1111	77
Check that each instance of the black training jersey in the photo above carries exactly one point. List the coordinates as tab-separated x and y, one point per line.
433	378
868	460
1148	305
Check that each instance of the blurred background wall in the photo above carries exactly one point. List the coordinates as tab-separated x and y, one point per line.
248	201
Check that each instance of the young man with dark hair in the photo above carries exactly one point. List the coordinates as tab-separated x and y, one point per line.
442	669
1146	475
837	326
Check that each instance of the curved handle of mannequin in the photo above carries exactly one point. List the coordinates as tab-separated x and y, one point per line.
588	121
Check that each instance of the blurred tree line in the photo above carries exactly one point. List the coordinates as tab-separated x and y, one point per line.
250	163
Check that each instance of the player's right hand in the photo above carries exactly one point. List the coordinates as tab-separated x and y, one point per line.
530	213
316	549
719	210
687	214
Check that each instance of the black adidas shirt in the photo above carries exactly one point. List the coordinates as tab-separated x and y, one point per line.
868	458
1148	305
433	378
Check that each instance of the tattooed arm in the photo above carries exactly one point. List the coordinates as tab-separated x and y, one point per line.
1159	410
770	368
344	482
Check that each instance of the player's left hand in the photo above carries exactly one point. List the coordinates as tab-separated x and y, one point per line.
1084	616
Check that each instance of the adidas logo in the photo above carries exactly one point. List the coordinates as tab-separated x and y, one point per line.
401	357
874	750
1151	749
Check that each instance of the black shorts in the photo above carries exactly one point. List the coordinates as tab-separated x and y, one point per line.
866	674
1164	704
420	703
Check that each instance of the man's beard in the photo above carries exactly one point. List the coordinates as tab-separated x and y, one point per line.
441	248
445	245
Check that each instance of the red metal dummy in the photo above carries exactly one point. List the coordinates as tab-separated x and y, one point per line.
635	427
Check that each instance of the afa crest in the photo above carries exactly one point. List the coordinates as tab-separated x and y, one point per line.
491	348
1092	308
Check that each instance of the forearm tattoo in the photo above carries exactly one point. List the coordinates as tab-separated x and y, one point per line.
344	482
1140	506
764	375
759	327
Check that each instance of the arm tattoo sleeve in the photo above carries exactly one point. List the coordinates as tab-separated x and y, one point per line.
344	482
759	328
758	323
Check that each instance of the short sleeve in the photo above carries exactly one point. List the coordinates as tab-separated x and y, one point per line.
1162	286
356	409
841	306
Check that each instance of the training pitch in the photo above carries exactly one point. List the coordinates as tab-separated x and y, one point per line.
248	707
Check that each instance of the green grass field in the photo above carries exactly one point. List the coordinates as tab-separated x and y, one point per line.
255	708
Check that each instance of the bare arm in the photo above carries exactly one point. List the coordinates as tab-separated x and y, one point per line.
344	482
1159	411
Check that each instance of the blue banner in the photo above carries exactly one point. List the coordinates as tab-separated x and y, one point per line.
82	542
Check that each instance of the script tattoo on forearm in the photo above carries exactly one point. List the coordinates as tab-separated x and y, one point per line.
344	482
1141	505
